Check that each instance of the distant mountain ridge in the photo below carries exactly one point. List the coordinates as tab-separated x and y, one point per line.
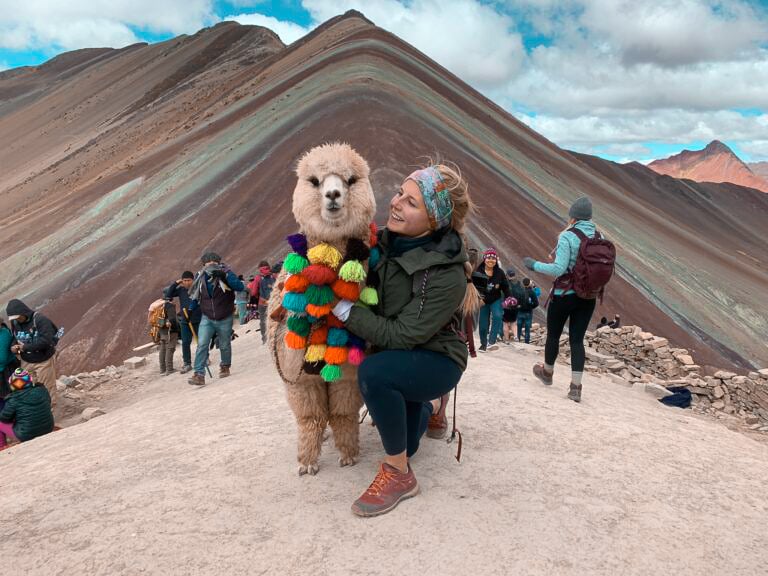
715	163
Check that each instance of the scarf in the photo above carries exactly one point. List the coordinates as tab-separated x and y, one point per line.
197	285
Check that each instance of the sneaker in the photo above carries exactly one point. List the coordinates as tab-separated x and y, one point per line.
186	368
493	347
162	372
574	392
223	371
386	491
541	373
197	380
438	423
482	349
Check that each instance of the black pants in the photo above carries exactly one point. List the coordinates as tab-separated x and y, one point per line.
579	312
397	386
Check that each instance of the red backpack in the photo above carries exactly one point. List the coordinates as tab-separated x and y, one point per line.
593	269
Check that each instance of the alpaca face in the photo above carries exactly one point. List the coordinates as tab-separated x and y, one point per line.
333	199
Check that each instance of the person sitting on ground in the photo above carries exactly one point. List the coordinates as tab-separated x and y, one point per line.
616	322
421	350
565	305
27	410
510	311
496	289
189	317
265	291
35	345
603	322
525	307
169	336
241	302
214	290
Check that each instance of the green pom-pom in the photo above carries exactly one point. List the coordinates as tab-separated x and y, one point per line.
331	373
299	324
352	271
369	296
319	295
294	263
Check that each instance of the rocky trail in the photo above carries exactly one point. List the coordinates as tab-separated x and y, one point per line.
180	480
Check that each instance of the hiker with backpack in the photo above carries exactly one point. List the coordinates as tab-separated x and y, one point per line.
164	330
527	303
26	413
424	293
189	316
213	290
496	289
35	338
583	265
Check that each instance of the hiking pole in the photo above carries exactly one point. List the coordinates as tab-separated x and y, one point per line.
194	336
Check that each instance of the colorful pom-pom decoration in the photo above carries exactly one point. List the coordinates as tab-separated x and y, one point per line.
374	258
331	373
295	263
337	337
319	335
294	341
319	295
315	352
369	296
319	274
318	311
373	238
352	271
299	325
325	254
296	283
355	356
334	322
294	302
298	243
336	355
346	290
356	250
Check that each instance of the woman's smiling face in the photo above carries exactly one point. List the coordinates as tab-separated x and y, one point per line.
407	212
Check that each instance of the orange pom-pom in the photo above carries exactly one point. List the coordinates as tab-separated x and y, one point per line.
319	274
373	240
296	283
294	341
336	354
346	290
319	335
318	311
334	322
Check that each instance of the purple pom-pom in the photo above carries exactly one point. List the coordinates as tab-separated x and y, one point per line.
298	243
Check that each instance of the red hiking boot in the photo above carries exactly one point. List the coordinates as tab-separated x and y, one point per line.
386	491
438	423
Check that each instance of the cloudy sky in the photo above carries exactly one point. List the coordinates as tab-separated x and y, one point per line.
626	80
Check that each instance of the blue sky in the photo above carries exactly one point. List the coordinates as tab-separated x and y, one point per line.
621	79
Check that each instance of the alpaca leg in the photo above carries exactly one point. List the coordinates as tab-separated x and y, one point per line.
344	401
309	402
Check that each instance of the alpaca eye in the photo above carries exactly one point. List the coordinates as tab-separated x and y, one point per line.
315	182
352	180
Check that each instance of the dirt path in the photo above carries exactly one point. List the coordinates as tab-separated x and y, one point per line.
203	481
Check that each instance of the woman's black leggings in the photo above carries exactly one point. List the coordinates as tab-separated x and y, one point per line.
579	311
397	386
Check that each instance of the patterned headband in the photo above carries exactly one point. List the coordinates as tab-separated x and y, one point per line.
437	197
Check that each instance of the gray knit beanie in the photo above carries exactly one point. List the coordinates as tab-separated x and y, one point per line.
210	257
581	209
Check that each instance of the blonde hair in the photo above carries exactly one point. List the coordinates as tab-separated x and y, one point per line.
462	209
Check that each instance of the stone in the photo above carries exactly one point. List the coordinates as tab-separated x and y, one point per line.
684	359
719	392
616	366
616	379
691	368
753	375
645	336
738	380
603	330
751	419
90	413
763	372
723	375
597	356
656	390
698	390
134	362
657	343
718	405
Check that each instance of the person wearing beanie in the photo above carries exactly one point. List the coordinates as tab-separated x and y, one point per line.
565	305
213	290
494	288
189	317
35	343
27	410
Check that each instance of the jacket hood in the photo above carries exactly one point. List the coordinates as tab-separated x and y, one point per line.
586	226
18	308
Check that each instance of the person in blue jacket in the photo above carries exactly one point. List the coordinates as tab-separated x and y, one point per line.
213	289
189	316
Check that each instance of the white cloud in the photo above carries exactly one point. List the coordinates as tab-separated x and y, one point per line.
288	31
56	24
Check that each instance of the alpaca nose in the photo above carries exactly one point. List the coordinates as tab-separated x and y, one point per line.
333	195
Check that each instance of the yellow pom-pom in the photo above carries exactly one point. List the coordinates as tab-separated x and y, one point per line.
315	353
325	254
369	296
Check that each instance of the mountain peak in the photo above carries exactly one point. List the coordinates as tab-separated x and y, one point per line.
717	147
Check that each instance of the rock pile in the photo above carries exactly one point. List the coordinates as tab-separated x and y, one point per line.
634	355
